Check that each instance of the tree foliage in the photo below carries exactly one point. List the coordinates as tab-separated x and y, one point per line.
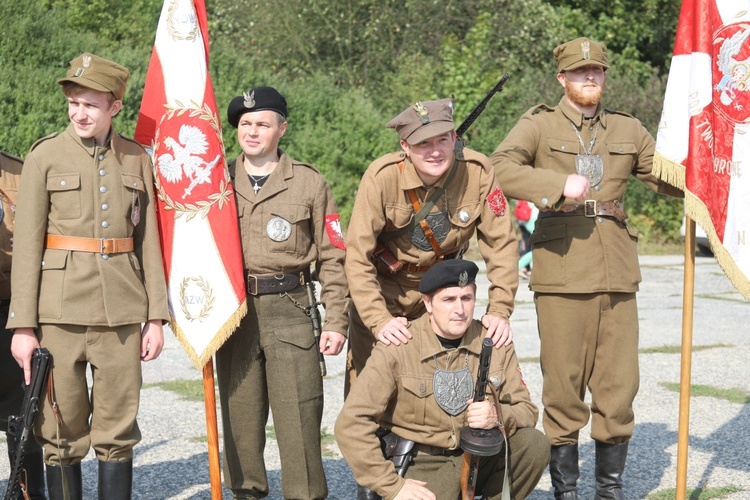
347	67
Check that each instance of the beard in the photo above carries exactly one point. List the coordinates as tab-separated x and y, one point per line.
576	94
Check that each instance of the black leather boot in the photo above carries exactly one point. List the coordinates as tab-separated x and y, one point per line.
367	494
115	480
610	464
65	478
563	470
33	465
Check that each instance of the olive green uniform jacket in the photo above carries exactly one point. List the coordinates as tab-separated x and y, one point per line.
395	391
577	254
383	205
71	187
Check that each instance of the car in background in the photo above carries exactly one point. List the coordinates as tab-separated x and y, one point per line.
701	240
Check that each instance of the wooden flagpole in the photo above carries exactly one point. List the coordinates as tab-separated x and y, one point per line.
209	396
688	294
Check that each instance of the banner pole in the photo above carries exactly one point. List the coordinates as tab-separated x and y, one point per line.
214	468
688	295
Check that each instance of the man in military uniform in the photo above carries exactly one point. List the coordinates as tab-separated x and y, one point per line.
457	190
409	390
11	375
87	275
288	222
574	161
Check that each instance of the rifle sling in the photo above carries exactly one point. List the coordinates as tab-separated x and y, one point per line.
421	212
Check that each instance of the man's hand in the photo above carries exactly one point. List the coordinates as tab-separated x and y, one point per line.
481	415
394	332
413	489
331	343
576	187
498	329
22	347
152	340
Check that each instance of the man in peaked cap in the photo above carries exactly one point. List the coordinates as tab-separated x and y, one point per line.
417	207
91	287
288	222
400	391
573	161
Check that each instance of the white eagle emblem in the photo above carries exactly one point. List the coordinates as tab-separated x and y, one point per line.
186	158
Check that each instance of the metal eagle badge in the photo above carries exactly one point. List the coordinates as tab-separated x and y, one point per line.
452	389
591	167
440	226
422	113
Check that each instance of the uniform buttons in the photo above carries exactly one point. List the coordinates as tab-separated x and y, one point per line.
62	183
599	219
620	150
105	256
598	188
102	189
563	148
101	156
544	236
105	206
135	184
102	172
12	315
105	224
544	201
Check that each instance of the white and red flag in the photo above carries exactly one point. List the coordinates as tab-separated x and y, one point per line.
703	144
197	214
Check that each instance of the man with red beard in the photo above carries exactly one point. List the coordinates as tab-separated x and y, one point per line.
574	161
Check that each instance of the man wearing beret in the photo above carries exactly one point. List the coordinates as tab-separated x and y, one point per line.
417	207
88	282
288	222
11	375
408	390
574	161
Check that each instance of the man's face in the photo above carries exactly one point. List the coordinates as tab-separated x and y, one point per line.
259	133
451	310
91	114
431	157
584	85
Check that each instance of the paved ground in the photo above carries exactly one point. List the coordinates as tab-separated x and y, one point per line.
171	461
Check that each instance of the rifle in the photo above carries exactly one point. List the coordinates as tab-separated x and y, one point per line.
21	427
478	443
461	130
314	313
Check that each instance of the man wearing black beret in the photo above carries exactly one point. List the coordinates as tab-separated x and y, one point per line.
288	222
415	391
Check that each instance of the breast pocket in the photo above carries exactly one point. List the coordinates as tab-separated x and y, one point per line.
563	149
64	196
417	391
289	229
133	191
621	160
397	216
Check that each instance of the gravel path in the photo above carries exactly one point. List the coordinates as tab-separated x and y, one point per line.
171	461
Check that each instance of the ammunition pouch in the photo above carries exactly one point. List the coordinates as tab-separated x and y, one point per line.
385	261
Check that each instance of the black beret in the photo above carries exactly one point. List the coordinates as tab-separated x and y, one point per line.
257	99
450	272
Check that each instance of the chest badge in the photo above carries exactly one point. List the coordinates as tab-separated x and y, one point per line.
463	216
279	229
452	389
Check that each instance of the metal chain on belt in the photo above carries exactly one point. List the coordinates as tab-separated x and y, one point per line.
296	303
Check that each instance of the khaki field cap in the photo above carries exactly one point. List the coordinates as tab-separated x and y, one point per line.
94	72
580	52
424	120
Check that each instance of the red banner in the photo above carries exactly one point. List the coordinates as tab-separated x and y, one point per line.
200	239
704	134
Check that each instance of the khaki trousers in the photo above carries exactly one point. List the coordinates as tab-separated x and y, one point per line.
271	360
528	456
104	420
588	341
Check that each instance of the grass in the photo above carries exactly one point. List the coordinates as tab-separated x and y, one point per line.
732	395
189	390
676	349
698	493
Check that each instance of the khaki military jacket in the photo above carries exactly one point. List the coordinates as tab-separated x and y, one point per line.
299	194
383	205
71	187
395	390
10	176
577	254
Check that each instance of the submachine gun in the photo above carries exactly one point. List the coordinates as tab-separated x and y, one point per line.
21	426
478	443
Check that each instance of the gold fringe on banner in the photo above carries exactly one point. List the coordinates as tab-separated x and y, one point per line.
669	171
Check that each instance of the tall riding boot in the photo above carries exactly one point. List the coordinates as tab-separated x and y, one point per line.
33	465
610	464
62	479
563	470
367	494
115	480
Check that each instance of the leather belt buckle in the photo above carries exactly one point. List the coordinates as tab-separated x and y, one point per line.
589	208
103	247
252	284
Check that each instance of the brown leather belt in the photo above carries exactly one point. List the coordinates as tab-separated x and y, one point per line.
589	208
94	245
436	450
262	284
413	268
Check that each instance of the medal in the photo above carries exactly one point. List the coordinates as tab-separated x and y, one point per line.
440	226
279	229
589	165
463	216
452	389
